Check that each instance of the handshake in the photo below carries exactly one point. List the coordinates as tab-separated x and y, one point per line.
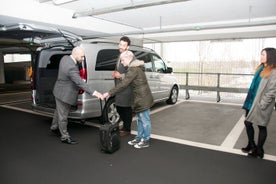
101	96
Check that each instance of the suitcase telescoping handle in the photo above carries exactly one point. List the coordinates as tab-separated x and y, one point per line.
101	104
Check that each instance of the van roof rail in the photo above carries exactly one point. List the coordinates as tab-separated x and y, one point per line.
113	42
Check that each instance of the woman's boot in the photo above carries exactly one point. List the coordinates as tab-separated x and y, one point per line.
257	153
249	148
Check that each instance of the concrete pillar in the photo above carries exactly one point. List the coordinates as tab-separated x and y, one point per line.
2	71
162	50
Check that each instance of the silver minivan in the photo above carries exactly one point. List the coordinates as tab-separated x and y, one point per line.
100	59
49	45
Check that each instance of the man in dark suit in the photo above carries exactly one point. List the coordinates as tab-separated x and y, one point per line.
66	92
123	99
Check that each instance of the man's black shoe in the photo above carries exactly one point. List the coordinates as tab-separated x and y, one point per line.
124	133
69	141
56	132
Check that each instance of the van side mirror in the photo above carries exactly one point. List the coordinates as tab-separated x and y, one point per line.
169	70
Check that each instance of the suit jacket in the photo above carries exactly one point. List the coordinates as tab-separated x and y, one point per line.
123	98
69	81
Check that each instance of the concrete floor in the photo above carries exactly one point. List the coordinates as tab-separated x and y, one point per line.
196	122
207	124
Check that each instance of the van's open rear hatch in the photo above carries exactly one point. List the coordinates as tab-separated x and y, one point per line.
53	44
24	35
46	71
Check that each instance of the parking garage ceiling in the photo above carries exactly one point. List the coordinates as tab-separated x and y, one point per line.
151	20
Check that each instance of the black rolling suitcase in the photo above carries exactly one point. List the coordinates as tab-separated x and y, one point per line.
109	137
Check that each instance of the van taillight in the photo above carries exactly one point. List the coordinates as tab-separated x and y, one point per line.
32	84
79	104
31	75
83	75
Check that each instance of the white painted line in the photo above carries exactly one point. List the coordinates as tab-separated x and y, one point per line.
168	139
89	123
17	102
165	107
25	110
14	93
234	135
160	109
205	146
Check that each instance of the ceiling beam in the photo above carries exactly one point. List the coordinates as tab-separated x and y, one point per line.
60	2
131	6
57	2
43	1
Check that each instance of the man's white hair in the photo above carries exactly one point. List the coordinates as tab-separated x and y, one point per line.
127	54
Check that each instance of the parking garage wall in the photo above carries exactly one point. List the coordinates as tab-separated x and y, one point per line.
16	72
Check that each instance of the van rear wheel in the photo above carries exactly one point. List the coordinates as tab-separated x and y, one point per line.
110	114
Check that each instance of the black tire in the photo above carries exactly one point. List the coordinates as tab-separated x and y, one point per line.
173	96
110	114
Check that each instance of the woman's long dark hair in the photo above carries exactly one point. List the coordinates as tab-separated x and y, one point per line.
270	61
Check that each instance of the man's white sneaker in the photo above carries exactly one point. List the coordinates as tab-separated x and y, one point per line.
142	144
133	142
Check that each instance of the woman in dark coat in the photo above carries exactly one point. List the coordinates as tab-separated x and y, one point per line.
260	102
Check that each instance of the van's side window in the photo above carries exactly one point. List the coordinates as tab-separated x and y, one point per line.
159	64
106	59
146	58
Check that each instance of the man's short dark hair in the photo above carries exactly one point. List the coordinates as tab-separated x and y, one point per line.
125	39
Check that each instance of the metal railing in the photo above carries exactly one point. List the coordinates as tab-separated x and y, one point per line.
219	82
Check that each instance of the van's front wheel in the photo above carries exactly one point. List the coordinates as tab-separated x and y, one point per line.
110	113
173	96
